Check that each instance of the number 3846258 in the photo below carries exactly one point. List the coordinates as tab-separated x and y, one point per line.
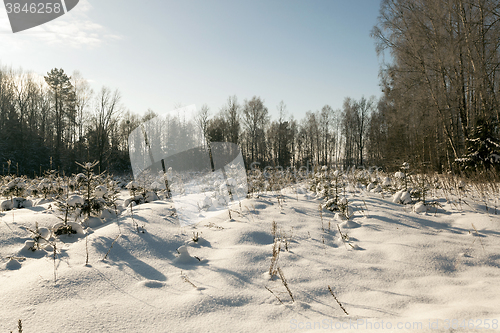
34	8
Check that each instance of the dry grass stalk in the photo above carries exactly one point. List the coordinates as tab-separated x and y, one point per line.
86	249
55	267
273	269
274	295
345	238
342	307
111	246
274	229
186	279
282	277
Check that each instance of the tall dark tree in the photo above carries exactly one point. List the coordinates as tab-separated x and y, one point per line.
255	120
63	106
231	114
103	124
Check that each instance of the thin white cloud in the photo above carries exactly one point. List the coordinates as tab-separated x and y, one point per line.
75	29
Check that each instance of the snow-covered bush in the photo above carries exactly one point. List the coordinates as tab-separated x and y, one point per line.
133	187
15	188
94	191
141	194
45	187
40	238
7	205
402	197
19	202
421	183
75	201
70	228
387	182
32	189
100	191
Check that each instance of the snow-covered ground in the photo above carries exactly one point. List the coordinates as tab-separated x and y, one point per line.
390	268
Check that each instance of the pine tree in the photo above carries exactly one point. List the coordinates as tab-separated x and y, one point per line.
483	149
63	96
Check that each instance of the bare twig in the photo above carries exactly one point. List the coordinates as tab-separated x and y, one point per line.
111	246
343	309
55	267
86	249
186	279
282	276
274	294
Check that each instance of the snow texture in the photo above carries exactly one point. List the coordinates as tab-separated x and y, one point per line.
387	264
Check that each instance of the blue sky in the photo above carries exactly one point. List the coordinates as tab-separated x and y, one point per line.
163	53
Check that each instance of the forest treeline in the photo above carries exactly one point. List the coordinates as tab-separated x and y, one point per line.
52	121
439	108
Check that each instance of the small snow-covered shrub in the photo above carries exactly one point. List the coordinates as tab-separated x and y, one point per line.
79	180
112	194
387	182
21	202
344	208
32	190
75	201
421	187
40	237
135	191
94	191
420	207
156	187
100	191
136	200
403	175
399	175
7	205
44	187
15	188
205	204
402	197
362	177
184	257
150	197
70	228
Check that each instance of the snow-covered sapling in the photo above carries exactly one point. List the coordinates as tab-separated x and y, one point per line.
344	208
134	190
16	190
421	187
38	235
112	194
93	190
67	207
402	196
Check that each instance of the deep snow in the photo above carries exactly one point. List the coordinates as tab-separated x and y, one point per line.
389	266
